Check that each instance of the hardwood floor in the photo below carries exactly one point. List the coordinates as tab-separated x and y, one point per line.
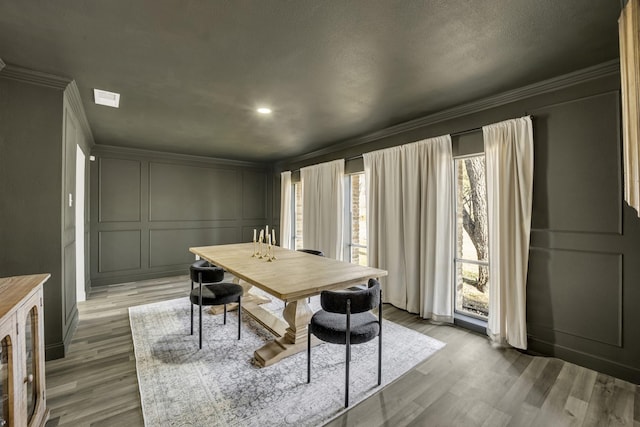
468	383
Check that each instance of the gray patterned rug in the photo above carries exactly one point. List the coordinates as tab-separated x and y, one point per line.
219	386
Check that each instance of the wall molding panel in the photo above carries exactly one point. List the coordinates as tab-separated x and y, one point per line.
149	208
589	280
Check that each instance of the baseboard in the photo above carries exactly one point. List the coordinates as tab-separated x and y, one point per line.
54	351
606	366
472	324
71	329
105	281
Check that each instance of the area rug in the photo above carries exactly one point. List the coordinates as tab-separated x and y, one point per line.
219	385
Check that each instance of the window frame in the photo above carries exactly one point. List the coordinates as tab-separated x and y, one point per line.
459	314
294	216
348	216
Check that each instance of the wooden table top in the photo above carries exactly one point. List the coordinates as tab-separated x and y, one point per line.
293	275
14	289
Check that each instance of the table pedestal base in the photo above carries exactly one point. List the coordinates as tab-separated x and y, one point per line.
277	350
297	314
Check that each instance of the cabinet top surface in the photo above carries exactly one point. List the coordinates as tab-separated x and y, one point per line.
15	289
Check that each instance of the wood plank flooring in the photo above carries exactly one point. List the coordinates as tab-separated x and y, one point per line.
468	383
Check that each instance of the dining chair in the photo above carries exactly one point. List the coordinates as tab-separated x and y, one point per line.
346	318
212	292
312	251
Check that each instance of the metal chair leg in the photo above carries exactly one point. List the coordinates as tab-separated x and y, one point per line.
192	311
348	345
224	322
380	341
200	319
239	316
308	353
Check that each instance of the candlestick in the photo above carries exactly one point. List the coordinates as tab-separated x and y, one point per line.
273	232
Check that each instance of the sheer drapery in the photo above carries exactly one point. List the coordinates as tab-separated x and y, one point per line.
285	209
629	28
322	207
509	164
410	227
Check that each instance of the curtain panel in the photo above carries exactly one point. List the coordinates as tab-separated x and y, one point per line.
410	227
285	210
509	174
322	207
629	29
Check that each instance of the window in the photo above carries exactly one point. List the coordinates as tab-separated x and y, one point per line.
471	258
355	234
297	216
356	225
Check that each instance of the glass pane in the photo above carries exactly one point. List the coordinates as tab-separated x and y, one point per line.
31	360
472	289
298	215
471	209
358	211
359	256
5	368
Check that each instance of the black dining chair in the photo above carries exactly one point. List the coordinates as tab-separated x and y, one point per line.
212	292
346	318
312	251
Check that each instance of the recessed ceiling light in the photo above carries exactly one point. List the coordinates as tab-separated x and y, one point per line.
104	97
264	110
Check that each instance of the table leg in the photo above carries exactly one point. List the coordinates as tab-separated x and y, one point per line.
297	314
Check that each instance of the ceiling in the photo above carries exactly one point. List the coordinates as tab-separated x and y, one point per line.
191	72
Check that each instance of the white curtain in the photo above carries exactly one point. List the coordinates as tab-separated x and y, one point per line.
629	27
285	209
509	163
410	227
322	207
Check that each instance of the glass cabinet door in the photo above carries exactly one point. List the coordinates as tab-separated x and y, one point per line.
5	381
31	362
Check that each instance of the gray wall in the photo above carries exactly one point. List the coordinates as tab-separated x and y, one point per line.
584	275
148	208
31	213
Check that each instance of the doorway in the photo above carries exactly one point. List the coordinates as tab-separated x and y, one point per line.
79	211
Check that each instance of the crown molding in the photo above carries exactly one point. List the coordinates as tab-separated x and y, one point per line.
100	150
26	75
72	94
2	64
550	85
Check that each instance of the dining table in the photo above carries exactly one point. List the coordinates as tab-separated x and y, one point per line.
289	275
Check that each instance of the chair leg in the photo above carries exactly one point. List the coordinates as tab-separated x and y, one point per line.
348	346
380	341
192	311
346	380
200	318
308	353
380	358
224	322
239	316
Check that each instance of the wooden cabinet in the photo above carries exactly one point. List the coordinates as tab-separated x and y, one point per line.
22	381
